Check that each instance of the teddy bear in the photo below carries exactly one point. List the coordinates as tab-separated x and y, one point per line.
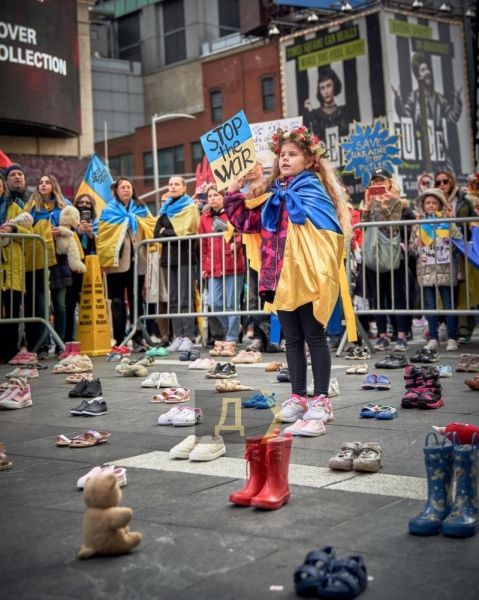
105	524
65	242
24	219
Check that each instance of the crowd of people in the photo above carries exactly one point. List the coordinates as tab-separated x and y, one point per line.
284	229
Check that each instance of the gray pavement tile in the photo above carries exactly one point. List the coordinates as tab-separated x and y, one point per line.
28	468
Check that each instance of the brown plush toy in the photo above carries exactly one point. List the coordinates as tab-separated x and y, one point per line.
105	524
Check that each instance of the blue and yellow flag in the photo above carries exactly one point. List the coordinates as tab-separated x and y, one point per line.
96	182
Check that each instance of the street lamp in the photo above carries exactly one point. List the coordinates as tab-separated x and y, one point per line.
156	177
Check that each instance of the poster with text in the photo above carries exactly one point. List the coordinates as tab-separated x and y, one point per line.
333	77
264	131
430	51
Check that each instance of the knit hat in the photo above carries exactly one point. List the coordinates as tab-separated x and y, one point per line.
13	168
437	193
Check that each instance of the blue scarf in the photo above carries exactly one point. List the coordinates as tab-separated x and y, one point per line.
48	215
115	213
305	198
3	209
174	206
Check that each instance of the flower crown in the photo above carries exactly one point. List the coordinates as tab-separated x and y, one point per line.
315	146
473	181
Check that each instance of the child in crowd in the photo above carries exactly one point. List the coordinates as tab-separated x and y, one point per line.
302	222
436	264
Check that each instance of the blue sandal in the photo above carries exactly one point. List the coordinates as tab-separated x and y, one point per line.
383	383
370	383
315	569
347	578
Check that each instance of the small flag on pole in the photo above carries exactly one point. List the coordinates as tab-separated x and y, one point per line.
96	182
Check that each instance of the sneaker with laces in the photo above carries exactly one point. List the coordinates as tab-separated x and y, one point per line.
17	399
432	345
312	428
382	344
452	346
151	381
27	373
292	410
186	345
401	345
214	372
175	345
227	372
296	427
319	408
357	353
95	408
167	418
167	380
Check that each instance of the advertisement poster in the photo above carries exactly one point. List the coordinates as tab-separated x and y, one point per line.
333	77
431	51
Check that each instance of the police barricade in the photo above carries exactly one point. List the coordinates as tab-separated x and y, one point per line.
25	296
405	268
185	291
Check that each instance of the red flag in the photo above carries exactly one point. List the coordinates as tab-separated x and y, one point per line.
4	160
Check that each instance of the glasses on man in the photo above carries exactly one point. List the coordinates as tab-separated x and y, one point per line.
442	181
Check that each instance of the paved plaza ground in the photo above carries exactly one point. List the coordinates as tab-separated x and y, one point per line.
196	545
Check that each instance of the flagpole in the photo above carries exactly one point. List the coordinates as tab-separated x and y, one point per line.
106	146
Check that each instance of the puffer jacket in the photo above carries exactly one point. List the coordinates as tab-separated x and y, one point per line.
432	274
213	248
60	274
12	263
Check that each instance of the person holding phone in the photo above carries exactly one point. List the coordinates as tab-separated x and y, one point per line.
86	231
382	201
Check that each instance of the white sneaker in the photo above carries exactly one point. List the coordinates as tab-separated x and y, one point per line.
312	428
151	381
333	387
167	380
208	448
332	391
319	408
452	346
432	345
184	448
292	410
296	427
175	344
186	345
167	418
442	332
188	417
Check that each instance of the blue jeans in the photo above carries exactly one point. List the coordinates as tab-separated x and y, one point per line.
430	301
232	303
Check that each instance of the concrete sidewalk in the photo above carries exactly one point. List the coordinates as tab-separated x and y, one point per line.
196	545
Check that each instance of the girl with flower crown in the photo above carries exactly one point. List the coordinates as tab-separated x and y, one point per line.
300	219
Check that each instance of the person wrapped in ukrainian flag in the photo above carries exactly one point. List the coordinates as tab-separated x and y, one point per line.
302	219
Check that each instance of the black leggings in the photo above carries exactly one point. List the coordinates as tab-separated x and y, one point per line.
117	284
300	326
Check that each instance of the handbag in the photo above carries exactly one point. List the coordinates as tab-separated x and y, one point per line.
381	253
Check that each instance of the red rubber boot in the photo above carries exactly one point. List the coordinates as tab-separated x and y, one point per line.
275	491
75	348
255	454
67	351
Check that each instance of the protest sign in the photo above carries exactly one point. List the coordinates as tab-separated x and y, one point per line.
230	150
262	134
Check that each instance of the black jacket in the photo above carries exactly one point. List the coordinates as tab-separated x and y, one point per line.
60	274
187	248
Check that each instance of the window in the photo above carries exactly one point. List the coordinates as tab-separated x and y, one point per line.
229	15
121	165
267	88
129	42
197	154
174	30
216	106
171	161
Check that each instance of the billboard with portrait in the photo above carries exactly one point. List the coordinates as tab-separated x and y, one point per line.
40	70
333	77
431	51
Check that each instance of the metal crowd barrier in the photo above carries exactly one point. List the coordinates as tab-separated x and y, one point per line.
194	247
355	266
5	282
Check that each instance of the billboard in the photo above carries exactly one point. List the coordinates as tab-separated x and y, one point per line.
429	52
333	77
353	83
40	68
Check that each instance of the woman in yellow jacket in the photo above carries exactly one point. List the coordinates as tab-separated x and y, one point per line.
11	273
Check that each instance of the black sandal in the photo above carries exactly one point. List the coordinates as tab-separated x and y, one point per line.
185	355
348	578
315	569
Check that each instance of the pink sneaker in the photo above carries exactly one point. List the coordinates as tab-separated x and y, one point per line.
24	358
320	409
313	428
8	392
17	399
296	427
292	410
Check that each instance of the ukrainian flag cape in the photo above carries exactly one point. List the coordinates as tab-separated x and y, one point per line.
114	222
313	267
183	215
427	231
43	221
